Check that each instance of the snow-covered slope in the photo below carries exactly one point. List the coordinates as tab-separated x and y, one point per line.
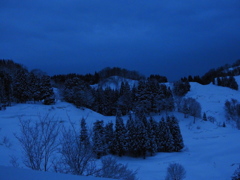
210	153
212	98
11	173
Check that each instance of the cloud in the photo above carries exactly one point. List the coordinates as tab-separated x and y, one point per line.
120	33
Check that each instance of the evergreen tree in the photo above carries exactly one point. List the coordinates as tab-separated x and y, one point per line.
168	104
5	89
137	137
119	136
99	100
79	93
46	89
110	97
190	79
99	140
142	139
204	116
125	101
181	88
219	81
176	133
34	87
143	127
84	137
152	87
131	135
165	137
109	136
20	86
232	83
152	148
143	95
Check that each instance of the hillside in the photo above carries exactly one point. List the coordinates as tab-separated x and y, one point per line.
212	98
210	152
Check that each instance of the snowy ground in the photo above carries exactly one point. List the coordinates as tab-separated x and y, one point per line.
11	173
210	152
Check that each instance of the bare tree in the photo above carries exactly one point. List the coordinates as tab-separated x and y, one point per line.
39	141
175	171
77	158
195	109
192	107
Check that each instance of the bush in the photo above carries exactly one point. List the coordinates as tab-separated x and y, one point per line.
112	169
211	119
175	171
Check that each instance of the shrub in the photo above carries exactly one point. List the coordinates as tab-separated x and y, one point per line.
175	171
112	169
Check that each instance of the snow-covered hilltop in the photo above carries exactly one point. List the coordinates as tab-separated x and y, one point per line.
114	82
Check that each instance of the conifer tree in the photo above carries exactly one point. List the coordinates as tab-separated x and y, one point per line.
119	136
166	138
232	83
143	95
125	101
5	88
109	134
142	139
176	133
84	136
109	101
153	92
136	137
131	135
219	81
34	87
181	88
99	140
170	100
46	90
99	100
20	86
152	148
204	116
144	130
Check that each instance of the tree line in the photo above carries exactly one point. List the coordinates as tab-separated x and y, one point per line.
19	85
148	95
224	73
152	95
103	74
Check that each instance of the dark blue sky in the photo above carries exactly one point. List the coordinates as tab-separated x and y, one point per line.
167	37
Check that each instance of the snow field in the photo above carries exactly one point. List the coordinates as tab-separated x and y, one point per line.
211	152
